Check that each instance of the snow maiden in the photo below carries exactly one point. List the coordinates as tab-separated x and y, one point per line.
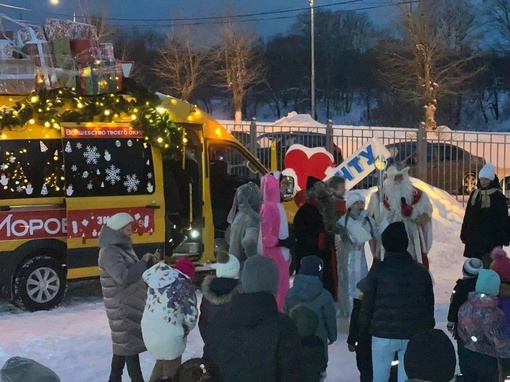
356	228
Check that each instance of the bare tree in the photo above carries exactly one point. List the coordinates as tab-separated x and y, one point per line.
182	66
240	65
432	60
104	30
499	18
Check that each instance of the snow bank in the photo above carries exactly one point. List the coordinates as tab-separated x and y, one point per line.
294	119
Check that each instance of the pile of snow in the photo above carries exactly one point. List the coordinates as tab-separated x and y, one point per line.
298	120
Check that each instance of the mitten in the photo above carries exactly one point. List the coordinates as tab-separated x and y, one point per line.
407	210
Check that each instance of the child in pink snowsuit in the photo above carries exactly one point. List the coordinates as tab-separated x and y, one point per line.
274	239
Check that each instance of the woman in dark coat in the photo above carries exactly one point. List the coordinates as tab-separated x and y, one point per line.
313	228
485	223
124	294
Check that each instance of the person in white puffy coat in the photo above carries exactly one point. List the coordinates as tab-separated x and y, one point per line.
169	316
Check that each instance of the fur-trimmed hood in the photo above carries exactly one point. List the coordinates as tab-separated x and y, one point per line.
219	290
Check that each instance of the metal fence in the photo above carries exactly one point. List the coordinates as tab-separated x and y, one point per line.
446	159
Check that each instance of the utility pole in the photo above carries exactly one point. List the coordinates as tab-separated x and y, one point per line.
312	32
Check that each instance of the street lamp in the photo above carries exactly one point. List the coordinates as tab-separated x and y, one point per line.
54	2
312	35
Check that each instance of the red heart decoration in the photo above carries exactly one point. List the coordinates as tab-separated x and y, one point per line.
305	166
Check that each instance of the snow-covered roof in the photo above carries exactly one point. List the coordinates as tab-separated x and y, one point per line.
294	119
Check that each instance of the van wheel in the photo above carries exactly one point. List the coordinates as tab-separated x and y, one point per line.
469	183
39	284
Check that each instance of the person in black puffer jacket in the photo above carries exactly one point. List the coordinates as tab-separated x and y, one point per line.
251	341
398	303
218	290
485	224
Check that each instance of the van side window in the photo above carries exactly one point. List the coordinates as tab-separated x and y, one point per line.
31	168
108	167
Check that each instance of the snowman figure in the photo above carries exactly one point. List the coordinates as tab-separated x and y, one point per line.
150	187
70	190
107	156
4	180
29	190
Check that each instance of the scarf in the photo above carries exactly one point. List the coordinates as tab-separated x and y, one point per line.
485	199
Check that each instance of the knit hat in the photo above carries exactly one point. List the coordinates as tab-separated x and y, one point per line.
310	181
19	369
487	172
306	321
312	266
501	264
488	282
471	267
260	275
352	198
430	356
119	221
394	237
227	265
186	267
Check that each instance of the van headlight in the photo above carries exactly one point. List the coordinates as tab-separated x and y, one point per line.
194	234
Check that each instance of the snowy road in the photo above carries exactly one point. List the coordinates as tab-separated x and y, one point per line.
73	340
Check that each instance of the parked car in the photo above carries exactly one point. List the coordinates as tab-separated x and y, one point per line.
449	167
286	139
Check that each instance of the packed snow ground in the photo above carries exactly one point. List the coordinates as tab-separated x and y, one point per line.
74	339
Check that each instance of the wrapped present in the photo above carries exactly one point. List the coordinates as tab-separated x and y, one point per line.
56	28
106	51
40	53
65	78
30	35
6	49
17	76
85	51
61	49
112	76
82	31
91	78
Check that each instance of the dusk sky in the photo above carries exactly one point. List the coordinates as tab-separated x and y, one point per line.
168	9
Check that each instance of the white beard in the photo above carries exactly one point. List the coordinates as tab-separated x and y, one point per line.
395	192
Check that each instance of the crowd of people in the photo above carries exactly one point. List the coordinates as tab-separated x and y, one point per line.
257	327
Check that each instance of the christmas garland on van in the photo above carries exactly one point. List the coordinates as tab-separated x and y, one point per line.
51	108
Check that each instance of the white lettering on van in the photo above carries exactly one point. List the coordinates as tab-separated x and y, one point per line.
31	227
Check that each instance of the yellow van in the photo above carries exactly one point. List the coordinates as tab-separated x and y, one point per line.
59	186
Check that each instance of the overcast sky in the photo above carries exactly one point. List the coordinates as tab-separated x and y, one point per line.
183	9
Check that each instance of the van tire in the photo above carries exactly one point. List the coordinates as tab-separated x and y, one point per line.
39	284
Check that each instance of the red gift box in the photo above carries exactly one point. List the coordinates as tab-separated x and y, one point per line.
85	51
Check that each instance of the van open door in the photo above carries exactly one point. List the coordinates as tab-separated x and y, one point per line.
110	168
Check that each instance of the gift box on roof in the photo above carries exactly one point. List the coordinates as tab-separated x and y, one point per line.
91	79
106	51
17	76
6	49
65	78
40	53
84	51
113	76
83	31
30	35
61	50
56	28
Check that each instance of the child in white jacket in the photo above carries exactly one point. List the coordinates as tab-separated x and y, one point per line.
170	314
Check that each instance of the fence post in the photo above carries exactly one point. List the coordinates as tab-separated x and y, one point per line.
421	153
253	136
329	136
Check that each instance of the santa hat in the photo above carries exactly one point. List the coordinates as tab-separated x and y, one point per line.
118	221
186	267
227	266
501	264
487	172
471	267
352	198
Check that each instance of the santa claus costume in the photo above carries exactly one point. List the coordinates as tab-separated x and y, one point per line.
274	232
410	205
356	228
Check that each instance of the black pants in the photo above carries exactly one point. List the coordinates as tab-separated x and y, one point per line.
133	366
478	367
364	360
